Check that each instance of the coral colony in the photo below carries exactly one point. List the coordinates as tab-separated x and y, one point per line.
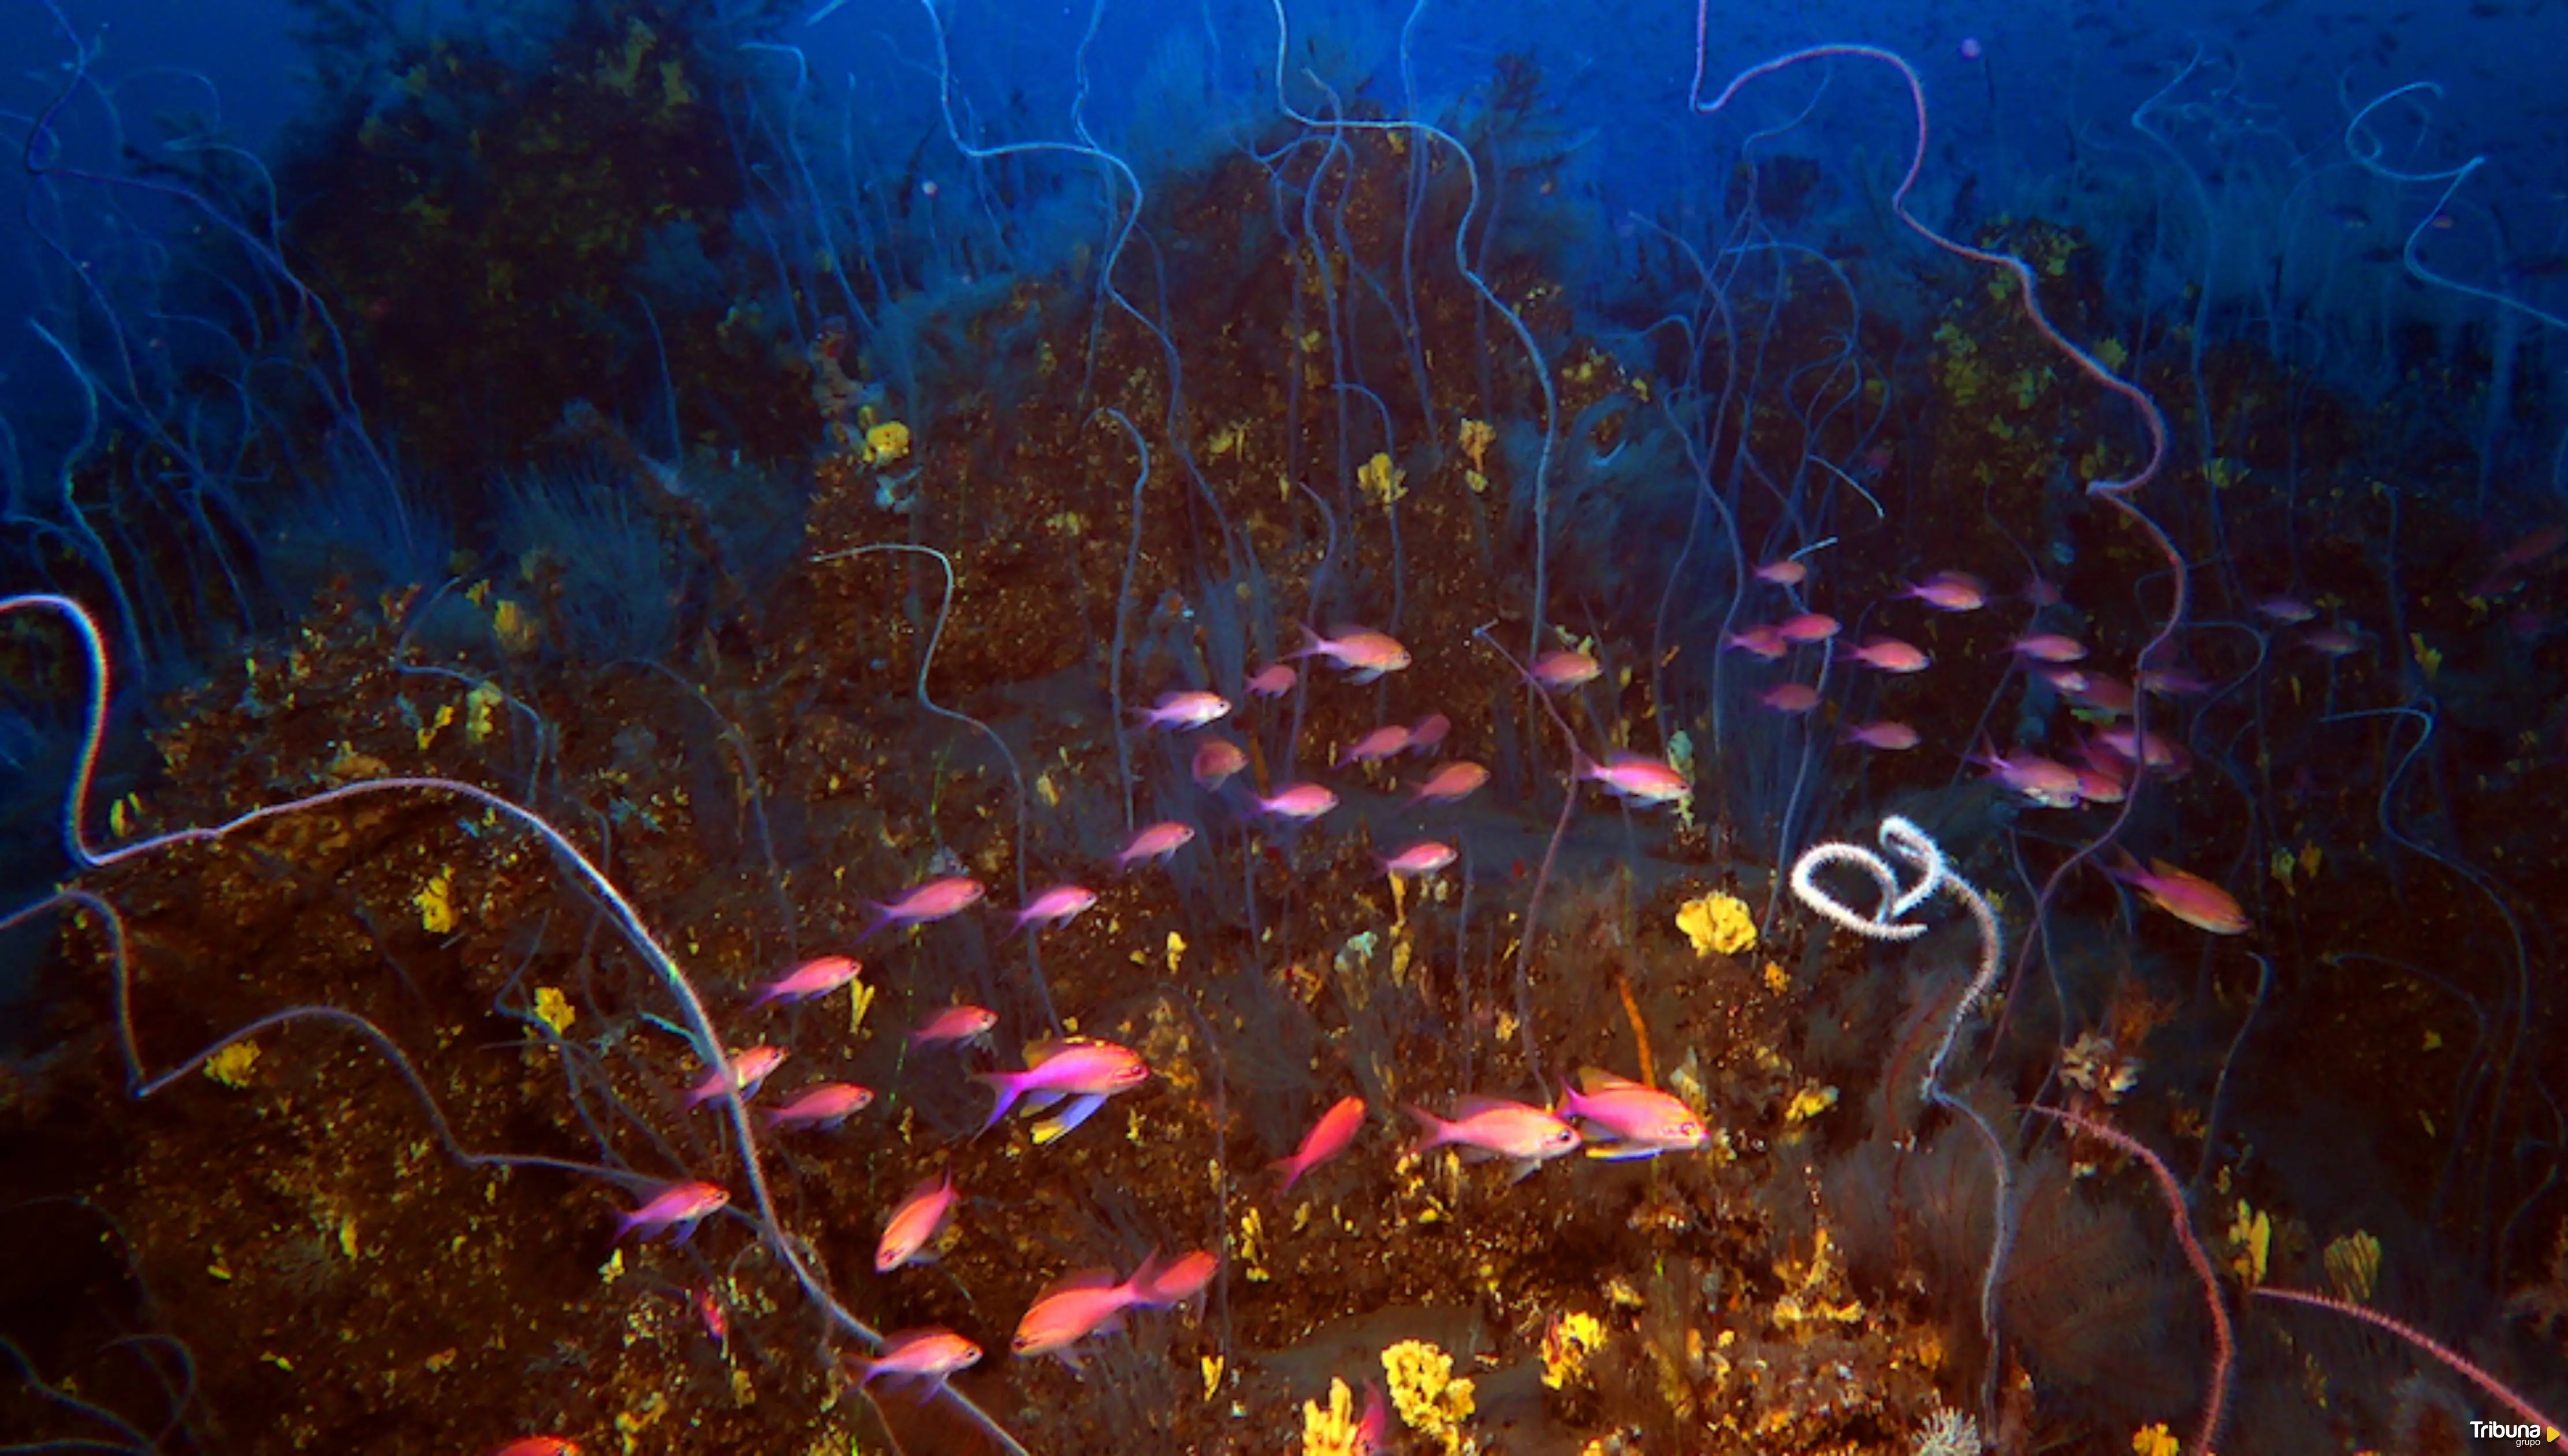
729	731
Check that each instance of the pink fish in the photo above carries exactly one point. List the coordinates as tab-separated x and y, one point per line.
747	1071
1451	782
1885	734
2071	680
1158	1285
2048	647
916	1222
1791	697
823	1106
1373	1427
1157	842
1373	748
1327	1138
1367	655
1217	760
2160	752
2043	592
717	1322
1427	733
1639	1121
813	977
2101	693
538	1446
2101	785
1951	591
1056	906
1807	628
1783	573
955	1024
1086	1070
2046	781
924	1355
2502	573
2289	611
1301	802
932	901
1889	655
1637	779
1273	679
2173	682
1761	642
1184	710
1562	667
1494	1127
679	1204
2185	895
1070	1309
1425	857
2333	642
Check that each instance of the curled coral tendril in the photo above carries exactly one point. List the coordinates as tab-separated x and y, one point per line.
2117	491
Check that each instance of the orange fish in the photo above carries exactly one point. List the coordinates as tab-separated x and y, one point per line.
924	1355
1327	1138
1365	654
1562	667
1070	1309
1637	780
747	1071
1494	1127
916	1223
2185	895
1451	782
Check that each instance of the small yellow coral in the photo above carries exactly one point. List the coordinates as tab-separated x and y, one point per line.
230	1066
1717	924
2251	1235
1568	1344
1477	436
1810	1102
2153	1441
1330	1431
1430	1400
886	442
2354	1266
1381	480
436	909
554	1008
479	710
513	625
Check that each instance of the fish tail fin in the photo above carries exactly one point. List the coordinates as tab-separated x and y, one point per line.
1006	1086
1289	1171
878	915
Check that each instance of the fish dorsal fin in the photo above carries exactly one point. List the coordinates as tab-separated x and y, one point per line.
1595	1079
1044	1049
1467	1109
2167	871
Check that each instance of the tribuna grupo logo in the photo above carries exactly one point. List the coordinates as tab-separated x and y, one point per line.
2519	1434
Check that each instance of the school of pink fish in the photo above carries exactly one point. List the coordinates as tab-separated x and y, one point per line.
1066	1080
